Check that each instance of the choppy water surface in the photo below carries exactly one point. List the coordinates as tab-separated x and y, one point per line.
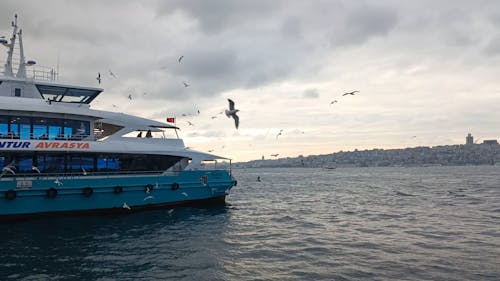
434	223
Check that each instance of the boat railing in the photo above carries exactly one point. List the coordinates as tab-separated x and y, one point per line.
36	72
85	174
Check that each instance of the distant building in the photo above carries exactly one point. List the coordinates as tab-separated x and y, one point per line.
469	139
490	142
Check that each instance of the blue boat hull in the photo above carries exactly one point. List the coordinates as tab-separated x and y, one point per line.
82	194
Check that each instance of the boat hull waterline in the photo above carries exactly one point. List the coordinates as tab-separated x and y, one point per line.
26	197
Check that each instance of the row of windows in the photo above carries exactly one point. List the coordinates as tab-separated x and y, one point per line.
27	163
17	127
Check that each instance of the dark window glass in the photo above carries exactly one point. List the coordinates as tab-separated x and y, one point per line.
55	128
24	128
14	128
51	93
40	128
47	162
24	163
4	126
51	163
63	94
17	92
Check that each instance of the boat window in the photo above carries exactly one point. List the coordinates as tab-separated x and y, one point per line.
14	128
40	129
55	128
80	163
43	128
24	128
4	126
50	92
17	92
108	163
50	162
24	163
65	94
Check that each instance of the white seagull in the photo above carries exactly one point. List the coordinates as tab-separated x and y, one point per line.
185	194
232	113
34	168
148	197
58	182
8	169
125	206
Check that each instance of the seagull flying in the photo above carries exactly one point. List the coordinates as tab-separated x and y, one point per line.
333	102
130	96
190	124
58	182
186	84
213	117
279	134
350	93
98	78
112	74
84	172
8	169
180	58
148	198
34	168
275	155
232	113
185	194
125	206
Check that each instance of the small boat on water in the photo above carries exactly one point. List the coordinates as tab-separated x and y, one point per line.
60	156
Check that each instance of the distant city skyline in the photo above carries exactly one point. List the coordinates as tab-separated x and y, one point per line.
426	71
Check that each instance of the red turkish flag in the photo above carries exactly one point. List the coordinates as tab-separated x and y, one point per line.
171	119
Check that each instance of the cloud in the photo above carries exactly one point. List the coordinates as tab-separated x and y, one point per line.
311	94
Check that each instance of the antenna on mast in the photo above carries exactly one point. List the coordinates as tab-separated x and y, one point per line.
8	64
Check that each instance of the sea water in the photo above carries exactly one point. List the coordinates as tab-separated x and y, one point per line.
425	223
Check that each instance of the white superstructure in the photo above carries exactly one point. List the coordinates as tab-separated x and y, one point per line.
68	116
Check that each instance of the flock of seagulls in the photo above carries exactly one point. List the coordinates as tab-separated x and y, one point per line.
231	112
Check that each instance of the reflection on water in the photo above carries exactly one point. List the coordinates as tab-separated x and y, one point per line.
435	223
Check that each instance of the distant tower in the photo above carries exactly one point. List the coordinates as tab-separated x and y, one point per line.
469	139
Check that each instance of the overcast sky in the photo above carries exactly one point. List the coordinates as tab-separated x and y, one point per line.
427	71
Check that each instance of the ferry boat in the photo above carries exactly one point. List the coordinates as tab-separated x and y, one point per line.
60	156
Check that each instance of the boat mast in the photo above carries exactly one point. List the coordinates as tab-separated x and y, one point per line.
21	72
8	65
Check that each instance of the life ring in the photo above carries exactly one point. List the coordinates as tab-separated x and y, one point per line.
148	188
10	194
87	191
174	186
117	189
51	192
